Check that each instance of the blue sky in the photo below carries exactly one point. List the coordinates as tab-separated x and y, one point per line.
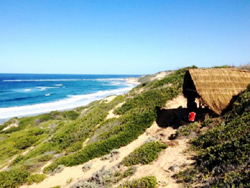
122	36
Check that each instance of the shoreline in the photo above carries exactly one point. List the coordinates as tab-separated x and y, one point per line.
63	104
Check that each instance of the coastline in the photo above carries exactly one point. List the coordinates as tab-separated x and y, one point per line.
64	104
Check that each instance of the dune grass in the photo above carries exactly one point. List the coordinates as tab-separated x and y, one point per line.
59	136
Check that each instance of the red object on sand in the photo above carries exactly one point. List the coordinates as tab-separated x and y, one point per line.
191	116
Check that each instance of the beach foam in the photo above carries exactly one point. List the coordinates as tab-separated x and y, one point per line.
65	80
72	101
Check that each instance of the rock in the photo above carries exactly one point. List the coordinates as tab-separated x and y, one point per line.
162	134
150	139
86	167
58	169
247	109
106	157
115	152
174	168
192	135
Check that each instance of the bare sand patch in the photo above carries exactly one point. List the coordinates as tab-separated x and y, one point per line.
10	126
111	112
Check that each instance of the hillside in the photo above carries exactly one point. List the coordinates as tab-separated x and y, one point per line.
119	141
222	146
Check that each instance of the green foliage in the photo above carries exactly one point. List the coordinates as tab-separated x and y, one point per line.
13	178
35	178
222	66
63	133
72	115
187	175
45	117
18	159
137	114
73	148
207	122
144	154
129	172
185	130
224	150
145	182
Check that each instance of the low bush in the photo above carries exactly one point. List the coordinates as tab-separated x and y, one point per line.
13	178
137	114
186	130
145	182
223	151
35	178
144	154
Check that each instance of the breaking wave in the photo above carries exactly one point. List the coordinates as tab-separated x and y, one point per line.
72	101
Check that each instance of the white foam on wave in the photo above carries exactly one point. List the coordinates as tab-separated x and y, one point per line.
41	88
58	85
71	102
65	80
27	90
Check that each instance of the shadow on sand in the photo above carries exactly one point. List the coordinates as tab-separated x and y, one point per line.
172	117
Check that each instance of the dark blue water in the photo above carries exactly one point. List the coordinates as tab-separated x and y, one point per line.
19	93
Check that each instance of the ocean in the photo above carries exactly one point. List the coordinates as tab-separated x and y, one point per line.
31	94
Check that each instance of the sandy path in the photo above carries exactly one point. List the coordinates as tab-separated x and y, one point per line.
180	100
111	112
97	164
160	168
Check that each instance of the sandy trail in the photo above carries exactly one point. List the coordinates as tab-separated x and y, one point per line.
97	164
160	168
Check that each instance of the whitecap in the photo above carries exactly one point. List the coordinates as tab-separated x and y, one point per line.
44	88
66	80
27	90
58	85
72	101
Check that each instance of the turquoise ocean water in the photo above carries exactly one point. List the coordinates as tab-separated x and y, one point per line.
30	94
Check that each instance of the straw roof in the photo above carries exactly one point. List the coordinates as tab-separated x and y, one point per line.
216	87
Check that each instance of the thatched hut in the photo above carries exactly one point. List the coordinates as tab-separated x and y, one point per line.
215	87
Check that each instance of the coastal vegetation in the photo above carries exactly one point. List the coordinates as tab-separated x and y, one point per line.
32	148
59	136
144	154
145	182
223	151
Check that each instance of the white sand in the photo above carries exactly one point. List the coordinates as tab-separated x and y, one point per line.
133	81
180	100
111	112
10	126
109	98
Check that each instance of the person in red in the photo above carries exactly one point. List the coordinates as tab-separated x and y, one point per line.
192	109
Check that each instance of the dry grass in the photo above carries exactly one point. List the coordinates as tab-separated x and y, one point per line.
216	87
244	67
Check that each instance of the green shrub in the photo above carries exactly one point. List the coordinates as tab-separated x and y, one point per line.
45	117
223	151
35	178
18	159
129	172
144	154
137	114
72	115
186	130
145	182
187	175
13	178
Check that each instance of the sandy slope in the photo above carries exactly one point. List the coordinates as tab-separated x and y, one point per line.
173	155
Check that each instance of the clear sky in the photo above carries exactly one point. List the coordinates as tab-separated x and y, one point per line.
122	36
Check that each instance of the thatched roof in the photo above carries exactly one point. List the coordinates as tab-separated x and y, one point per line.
216	87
